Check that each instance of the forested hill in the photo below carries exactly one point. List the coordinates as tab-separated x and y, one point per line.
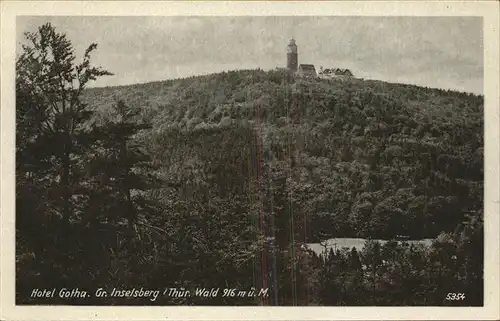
327	158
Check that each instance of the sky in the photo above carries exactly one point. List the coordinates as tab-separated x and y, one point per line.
440	52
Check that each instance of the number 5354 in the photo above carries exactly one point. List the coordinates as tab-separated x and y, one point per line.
455	296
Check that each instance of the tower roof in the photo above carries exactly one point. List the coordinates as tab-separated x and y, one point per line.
292	42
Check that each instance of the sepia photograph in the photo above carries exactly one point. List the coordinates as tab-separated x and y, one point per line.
250	160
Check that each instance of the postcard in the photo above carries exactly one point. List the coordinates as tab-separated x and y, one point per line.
249	160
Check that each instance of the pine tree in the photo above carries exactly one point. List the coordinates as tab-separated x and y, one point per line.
373	260
120	175
48	76
51	137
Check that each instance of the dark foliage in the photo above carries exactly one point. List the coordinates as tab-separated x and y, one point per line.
219	181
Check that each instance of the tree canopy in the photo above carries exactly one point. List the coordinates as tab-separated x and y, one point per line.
221	180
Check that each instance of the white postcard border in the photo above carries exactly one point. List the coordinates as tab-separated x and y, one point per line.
488	10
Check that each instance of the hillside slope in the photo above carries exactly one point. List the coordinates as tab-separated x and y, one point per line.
322	158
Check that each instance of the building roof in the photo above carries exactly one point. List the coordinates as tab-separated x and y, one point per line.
307	67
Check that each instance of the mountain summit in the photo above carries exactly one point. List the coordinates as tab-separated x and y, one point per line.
364	158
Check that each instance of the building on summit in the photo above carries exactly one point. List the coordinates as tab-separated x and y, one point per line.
307	70
335	73
292	59
292	56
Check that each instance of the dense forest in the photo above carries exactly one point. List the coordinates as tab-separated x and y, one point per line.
219	181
